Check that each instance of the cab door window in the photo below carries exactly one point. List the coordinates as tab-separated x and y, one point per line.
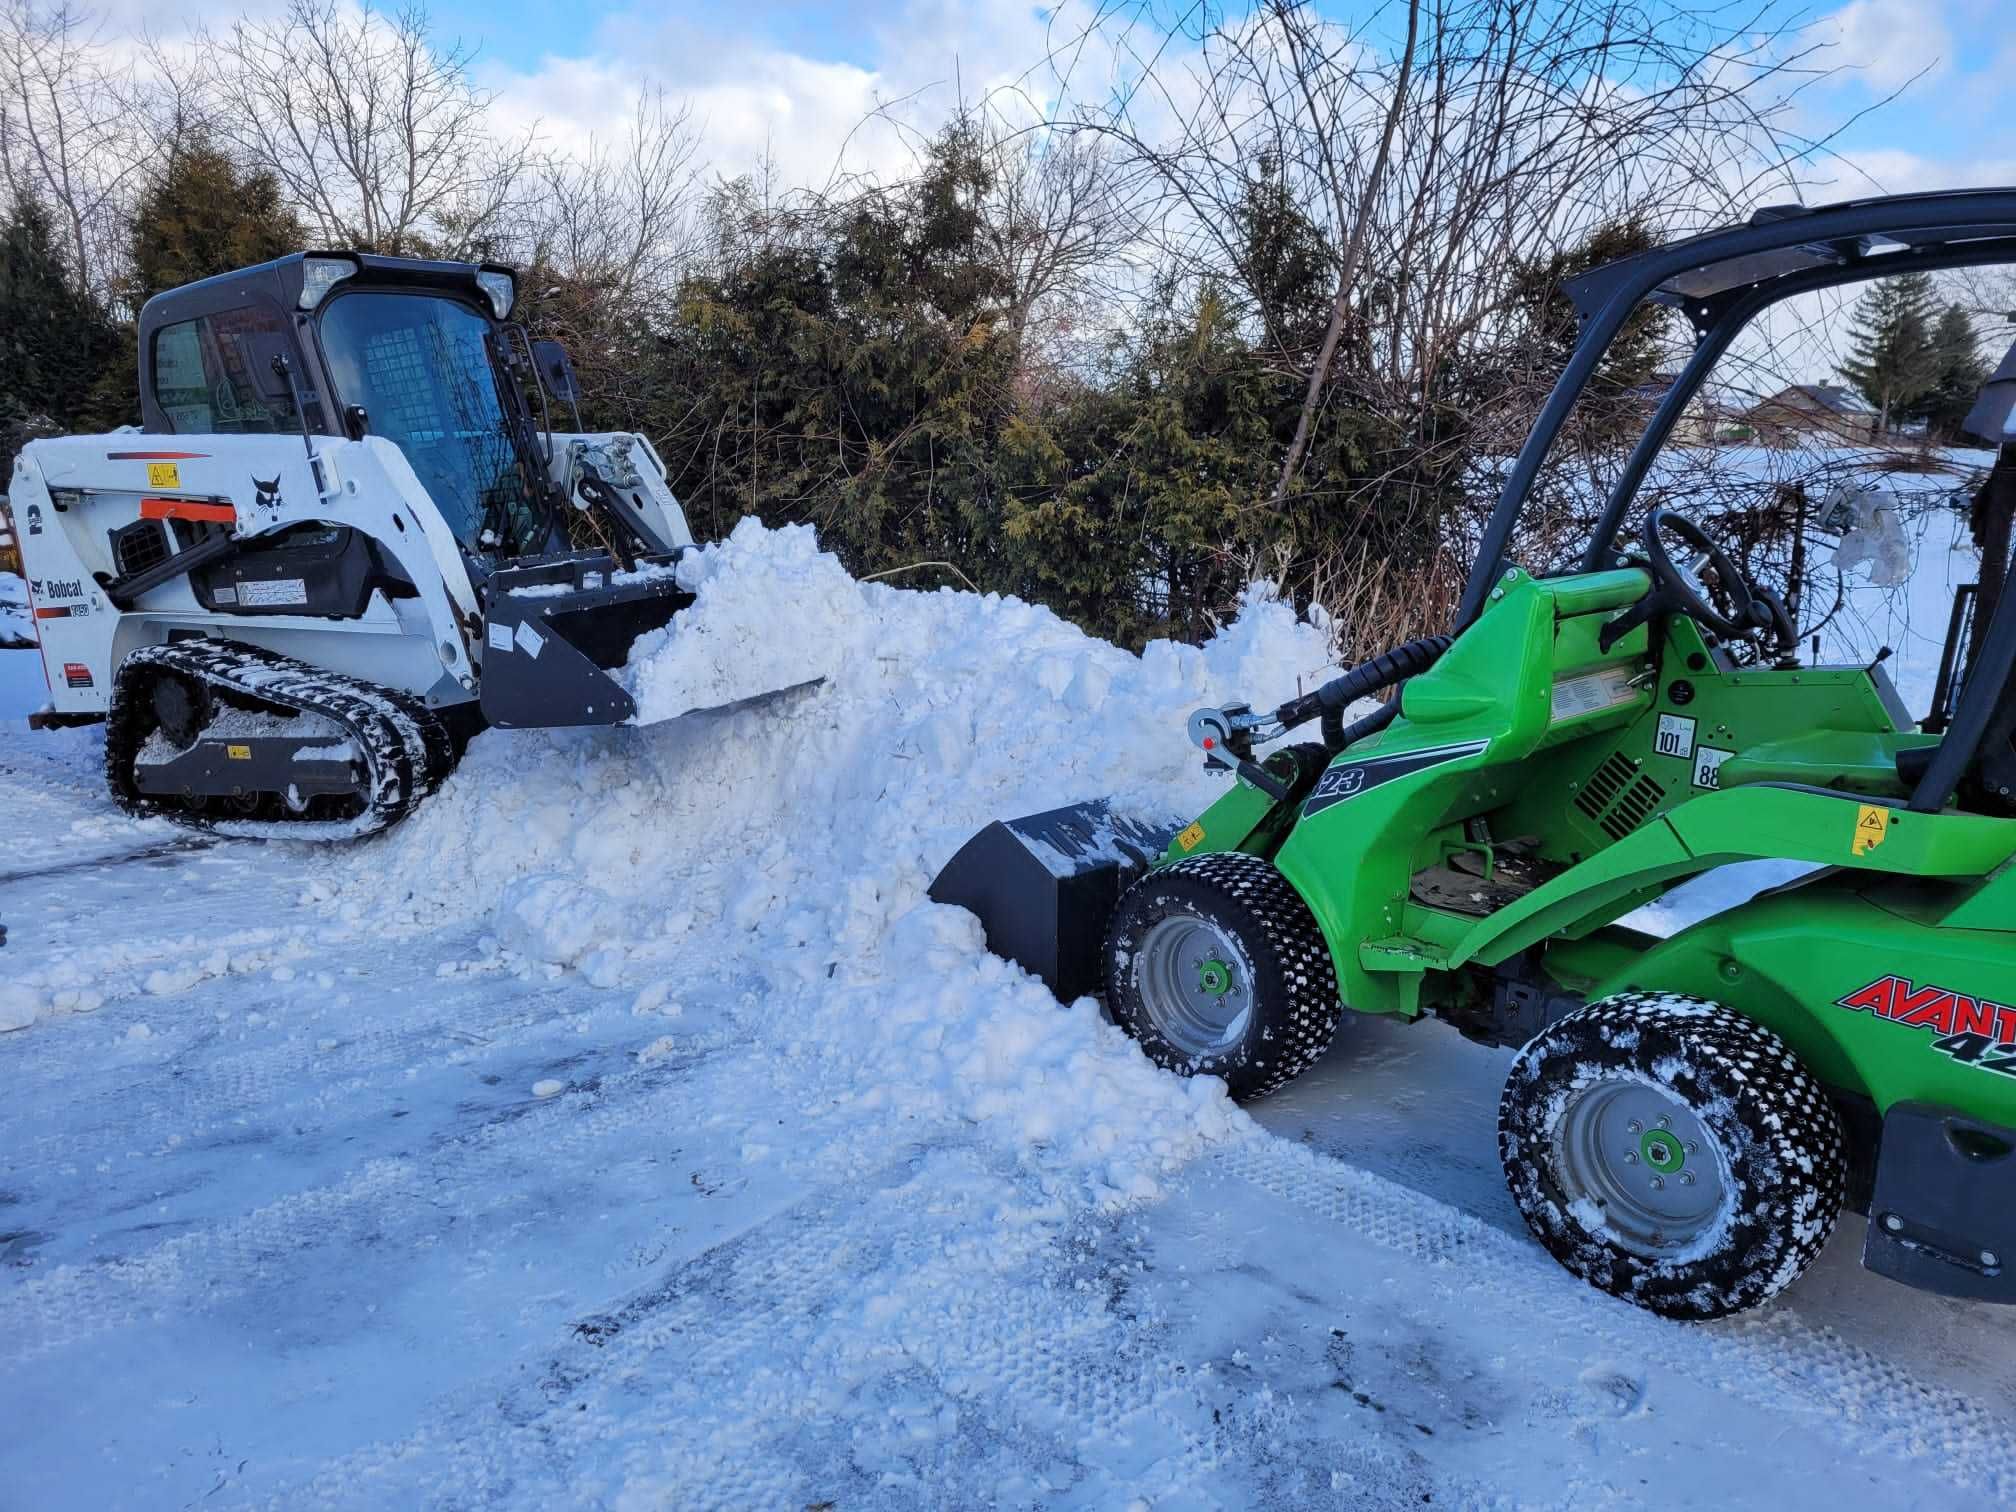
213	375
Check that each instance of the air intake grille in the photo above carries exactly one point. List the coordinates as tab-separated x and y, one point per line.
138	546
1619	797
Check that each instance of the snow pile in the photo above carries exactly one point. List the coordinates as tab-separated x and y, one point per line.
16	628
770	611
784	849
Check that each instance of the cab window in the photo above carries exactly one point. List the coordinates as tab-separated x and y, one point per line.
212	375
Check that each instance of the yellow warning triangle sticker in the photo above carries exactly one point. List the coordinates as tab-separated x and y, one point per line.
1871	828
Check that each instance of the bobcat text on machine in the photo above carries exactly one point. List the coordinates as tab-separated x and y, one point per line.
341	543
1685	1117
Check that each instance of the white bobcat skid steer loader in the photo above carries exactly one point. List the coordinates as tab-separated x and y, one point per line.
339	546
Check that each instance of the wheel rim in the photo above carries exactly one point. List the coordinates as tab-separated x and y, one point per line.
1196	984
1644	1158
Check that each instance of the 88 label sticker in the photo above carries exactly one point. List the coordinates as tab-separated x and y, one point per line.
1708	766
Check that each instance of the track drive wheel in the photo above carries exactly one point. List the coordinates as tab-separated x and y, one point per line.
1672	1152
1216	966
181	707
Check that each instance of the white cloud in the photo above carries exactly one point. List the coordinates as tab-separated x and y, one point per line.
1898	170
1889	42
754	100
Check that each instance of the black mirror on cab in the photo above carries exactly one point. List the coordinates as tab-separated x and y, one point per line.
269	361
556	371
356	423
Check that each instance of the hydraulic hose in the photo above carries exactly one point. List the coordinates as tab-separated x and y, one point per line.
1382	671
1371	724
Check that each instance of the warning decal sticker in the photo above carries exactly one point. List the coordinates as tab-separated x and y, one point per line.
281	591
1872	825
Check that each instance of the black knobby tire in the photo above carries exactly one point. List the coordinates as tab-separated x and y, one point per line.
1773	1139
1292	1005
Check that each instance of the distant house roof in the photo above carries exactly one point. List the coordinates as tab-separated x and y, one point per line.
1830	396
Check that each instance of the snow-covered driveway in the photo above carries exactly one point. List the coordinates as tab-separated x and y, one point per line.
625	1131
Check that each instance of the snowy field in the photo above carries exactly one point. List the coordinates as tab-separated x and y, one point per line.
626	1130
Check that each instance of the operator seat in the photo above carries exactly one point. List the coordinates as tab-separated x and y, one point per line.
1990	784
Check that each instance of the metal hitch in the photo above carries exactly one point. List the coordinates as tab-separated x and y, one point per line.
557	626
1043	887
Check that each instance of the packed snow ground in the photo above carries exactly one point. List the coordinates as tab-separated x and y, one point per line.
627	1130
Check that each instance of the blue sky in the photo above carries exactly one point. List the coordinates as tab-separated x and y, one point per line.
788	71
791	79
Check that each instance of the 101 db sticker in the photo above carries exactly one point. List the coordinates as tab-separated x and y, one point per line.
1675	736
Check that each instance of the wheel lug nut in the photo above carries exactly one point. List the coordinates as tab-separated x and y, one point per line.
1666	1122
1686	1178
1693	1147
1658	1183
1635	1127
1630	1157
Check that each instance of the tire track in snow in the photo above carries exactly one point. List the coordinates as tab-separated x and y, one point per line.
268	1081
196	1271
736	1348
1772	1359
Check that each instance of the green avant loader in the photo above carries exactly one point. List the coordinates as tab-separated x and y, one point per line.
1686	1117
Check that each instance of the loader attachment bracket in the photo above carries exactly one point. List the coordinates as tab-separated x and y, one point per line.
555	627
1942	1217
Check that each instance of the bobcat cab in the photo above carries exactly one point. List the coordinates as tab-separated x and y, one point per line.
349	534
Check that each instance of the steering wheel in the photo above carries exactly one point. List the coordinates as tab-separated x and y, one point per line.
1682	586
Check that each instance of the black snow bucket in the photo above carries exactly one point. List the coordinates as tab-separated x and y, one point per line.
1044	887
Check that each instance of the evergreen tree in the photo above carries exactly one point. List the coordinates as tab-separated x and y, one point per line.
1288	267
1127	507
1893	361
1612	409
851	364
54	340
1960	372
201	216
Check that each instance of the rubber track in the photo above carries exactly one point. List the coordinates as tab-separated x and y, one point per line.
407	750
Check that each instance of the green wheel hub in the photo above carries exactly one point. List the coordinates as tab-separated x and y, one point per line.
1661	1151
1214	977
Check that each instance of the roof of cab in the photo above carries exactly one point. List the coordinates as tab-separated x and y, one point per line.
281	279
1782	239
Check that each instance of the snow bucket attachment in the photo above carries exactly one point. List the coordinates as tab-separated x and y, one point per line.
1044	887
555	629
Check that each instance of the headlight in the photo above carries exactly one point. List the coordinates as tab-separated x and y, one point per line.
321	274
501	287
